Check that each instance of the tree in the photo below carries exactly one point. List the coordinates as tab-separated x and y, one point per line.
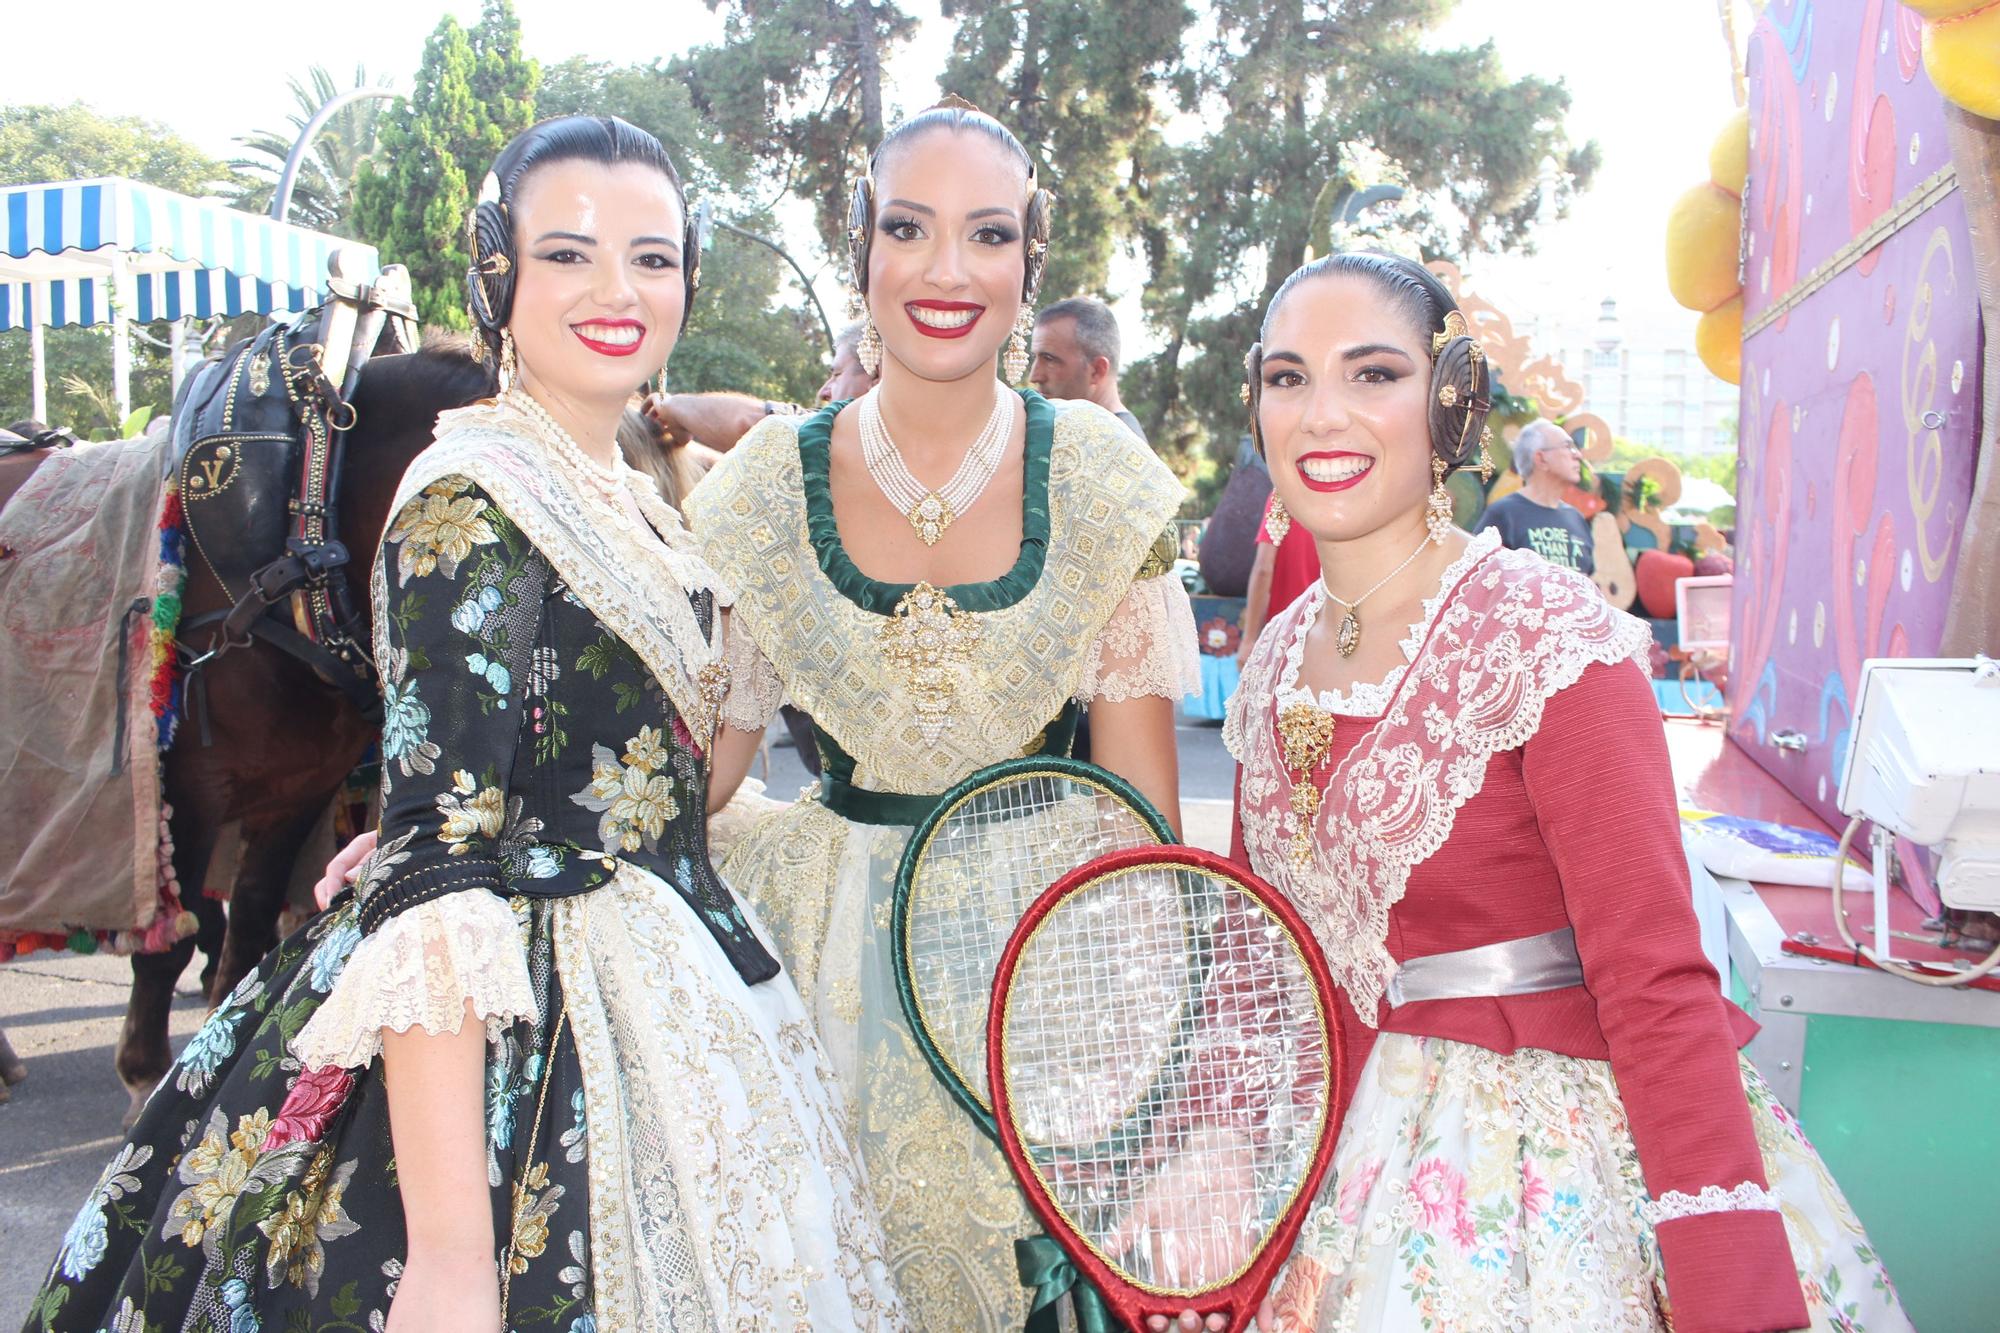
796	85
739	337
1298	94
323	195
54	143
1080	82
473	92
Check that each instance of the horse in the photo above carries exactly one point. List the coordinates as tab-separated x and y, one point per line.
276	740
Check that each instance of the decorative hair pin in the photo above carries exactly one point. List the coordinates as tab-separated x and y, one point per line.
1454	327
496	266
953	102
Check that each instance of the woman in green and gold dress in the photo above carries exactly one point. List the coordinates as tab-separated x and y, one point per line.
931	627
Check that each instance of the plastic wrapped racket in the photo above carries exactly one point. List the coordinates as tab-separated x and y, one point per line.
1165	1061
988	850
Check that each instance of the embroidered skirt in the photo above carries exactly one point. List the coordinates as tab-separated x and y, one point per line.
664	1152
1474	1190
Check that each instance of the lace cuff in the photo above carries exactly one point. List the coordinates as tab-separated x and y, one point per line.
1147	648
420	969
1746	1197
754	688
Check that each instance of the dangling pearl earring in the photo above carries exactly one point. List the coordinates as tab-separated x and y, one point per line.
1277	522
510	367
869	350
1437	516
1016	361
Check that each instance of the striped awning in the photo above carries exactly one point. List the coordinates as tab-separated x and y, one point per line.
64	245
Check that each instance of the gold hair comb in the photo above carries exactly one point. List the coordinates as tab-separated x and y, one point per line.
1454	327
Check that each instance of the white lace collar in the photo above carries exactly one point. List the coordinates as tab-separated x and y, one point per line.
1371	698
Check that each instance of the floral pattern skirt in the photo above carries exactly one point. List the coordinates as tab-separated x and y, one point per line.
663	1152
1475	1190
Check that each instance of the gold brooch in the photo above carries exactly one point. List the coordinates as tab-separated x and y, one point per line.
930	638
1305	733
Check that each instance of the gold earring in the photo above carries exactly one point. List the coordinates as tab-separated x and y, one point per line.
1277	522
869	350
1485	456
510	366
1437	515
1016	361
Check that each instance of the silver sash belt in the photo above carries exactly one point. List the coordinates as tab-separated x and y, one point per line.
1511	967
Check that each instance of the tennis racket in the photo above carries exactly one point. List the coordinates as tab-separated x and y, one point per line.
1165	1062
988	850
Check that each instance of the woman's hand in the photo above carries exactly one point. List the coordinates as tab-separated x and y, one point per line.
1184	1248
451	1293
342	869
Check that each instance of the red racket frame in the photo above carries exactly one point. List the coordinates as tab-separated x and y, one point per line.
1133	1304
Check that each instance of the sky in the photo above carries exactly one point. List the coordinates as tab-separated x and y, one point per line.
1649	82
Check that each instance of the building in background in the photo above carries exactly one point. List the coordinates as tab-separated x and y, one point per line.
1642	376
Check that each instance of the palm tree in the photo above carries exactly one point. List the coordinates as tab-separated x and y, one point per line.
323	195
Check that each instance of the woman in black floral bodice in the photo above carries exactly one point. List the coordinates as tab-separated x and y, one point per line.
540	1072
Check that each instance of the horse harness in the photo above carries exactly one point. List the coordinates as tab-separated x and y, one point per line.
259	438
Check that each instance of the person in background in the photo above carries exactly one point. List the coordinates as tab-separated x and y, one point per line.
719	420
1075	355
674	467
1536	518
1285	566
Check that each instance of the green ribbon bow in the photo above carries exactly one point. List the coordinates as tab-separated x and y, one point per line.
1048	1271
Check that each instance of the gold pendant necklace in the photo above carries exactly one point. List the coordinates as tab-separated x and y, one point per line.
1348	637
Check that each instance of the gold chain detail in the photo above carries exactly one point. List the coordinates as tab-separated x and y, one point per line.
528	1162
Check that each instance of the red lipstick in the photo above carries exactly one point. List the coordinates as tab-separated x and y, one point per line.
1326	487
611	349
943	307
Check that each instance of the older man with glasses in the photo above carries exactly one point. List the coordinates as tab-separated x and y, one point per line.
1536	518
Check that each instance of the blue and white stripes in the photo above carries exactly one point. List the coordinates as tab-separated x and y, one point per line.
182	256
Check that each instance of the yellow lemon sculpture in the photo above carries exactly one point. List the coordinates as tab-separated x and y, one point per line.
1704	237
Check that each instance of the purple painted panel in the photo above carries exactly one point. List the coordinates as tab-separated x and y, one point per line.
1859	411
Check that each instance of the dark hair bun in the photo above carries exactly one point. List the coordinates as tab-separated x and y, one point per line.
1461	396
489	281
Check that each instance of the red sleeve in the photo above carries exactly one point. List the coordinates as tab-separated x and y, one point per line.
1598	777
1264	533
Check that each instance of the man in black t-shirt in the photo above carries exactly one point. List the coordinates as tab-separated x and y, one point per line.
1536	518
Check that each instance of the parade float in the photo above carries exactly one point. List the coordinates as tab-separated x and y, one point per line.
1843	257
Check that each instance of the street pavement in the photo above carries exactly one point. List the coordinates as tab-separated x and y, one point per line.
62	1013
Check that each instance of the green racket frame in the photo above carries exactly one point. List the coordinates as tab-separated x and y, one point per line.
1076	770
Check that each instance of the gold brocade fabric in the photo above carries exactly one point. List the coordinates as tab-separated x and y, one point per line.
824	886
1109	499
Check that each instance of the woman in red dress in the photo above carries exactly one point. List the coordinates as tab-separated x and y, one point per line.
1453	763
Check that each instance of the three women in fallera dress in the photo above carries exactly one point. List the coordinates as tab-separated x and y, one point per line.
549	1069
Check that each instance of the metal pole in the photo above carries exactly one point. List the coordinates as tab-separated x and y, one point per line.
281	201
38	352
825	325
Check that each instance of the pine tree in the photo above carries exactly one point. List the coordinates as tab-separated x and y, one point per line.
1082	83
473	92
1297	95
797	85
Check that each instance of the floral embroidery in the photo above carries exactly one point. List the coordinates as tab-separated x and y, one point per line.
438	528
89	1235
215	1171
532	1211
406	720
311	1103
212	1044
470	811
634	798
310	1215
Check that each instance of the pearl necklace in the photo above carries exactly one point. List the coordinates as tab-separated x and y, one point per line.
606	482
1348	638
930	512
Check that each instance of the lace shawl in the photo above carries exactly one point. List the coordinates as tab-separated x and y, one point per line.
1513	632
606	565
